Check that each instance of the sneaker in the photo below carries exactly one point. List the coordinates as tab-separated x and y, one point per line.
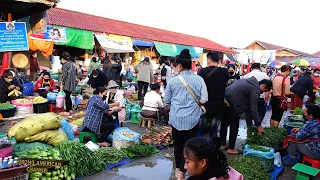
289	161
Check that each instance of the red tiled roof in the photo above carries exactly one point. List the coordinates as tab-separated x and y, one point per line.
268	46
68	18
317	54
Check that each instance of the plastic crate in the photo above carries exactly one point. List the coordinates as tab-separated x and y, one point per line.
27	89
41	108
14	173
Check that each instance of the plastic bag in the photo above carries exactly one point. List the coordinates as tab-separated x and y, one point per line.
277	159
34	124
67	129
124	137
266	158
52	96
53	137
19	147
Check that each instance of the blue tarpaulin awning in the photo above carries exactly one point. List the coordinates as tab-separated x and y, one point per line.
142	43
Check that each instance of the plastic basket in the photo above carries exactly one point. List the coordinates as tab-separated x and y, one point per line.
6	113
27	89
41	108
14	173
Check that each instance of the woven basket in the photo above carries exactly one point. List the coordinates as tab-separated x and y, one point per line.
20	60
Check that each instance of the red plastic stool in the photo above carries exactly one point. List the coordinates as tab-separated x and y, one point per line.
52	107
314	163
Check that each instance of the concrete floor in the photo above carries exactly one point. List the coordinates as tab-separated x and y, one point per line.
158	167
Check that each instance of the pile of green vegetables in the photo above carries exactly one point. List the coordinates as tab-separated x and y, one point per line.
272	137
58	173
140	150
317	101
259	148
6	106
81	160
249	167
297	111
40	153
22	146
110	155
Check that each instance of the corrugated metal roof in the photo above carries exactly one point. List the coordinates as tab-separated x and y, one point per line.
68	18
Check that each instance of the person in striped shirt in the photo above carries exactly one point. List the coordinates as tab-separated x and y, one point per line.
184	111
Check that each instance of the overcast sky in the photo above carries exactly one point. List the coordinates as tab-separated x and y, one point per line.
289	23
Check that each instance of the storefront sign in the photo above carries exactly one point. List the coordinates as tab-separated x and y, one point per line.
13	36
257	56
52	34
39	165
115	43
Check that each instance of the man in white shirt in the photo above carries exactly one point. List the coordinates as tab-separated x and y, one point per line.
259	75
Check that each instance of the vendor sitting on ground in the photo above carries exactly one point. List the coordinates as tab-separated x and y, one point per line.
115	95
306	140
44	85
97	79
152	104
94	120
7	84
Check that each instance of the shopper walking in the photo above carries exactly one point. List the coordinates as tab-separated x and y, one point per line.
303	86
216	79
184	109
145	76
264	97
69	78
233	75
34	66
241	96
281	89
165	73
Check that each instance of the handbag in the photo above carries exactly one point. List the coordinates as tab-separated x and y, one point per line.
284	99
186	85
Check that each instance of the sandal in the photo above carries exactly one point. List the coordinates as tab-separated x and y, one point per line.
233	151
225	147
104	144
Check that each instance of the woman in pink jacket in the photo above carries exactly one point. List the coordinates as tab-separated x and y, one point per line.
204	161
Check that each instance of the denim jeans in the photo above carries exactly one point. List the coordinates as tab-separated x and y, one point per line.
214	125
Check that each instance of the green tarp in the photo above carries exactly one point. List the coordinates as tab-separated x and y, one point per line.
79	39
193	52
166	49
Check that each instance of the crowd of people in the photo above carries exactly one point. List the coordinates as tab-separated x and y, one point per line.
213	95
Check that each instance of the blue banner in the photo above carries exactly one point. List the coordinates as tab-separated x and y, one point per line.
13	36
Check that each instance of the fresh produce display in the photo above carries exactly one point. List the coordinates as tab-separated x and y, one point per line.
110	155
159	135
58	173
52	137
14	93
272	137
34	124
6	106
249	167
140	150
39	100
23	101
81	160
19	147
259	148
317	101
40	153
127	134
297	111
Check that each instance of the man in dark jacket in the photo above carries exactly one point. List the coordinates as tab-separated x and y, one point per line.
216	79
97	79
241	96
7	84
303	86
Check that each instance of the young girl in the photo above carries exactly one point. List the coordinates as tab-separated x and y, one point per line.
204	161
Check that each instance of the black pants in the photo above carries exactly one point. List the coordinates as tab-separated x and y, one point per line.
105	130
262	112
142	86
68	101
179	140
228	119
164	83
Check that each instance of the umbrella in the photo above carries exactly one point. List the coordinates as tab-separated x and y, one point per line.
300	62
315	64
23	8
275	63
